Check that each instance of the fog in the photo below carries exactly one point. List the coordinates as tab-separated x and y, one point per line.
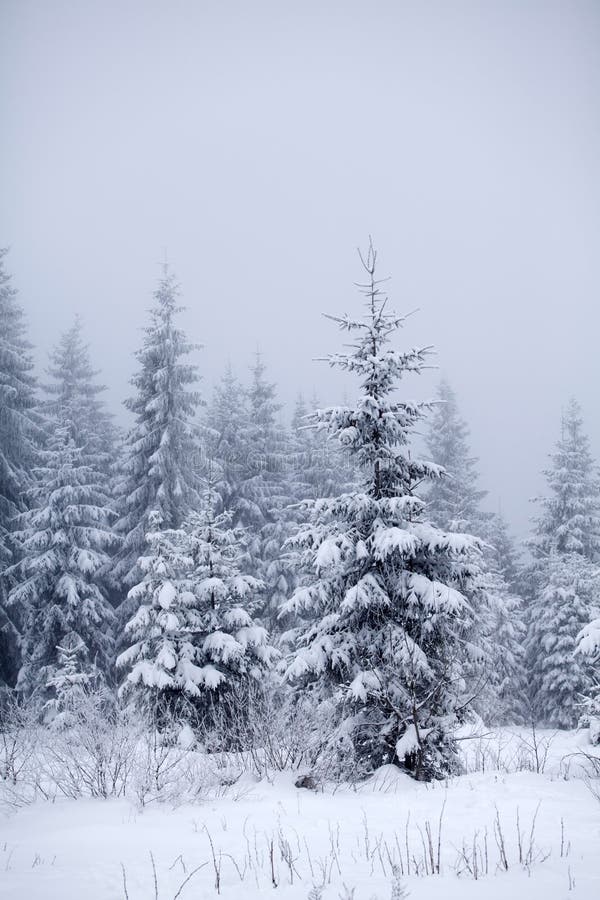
256	145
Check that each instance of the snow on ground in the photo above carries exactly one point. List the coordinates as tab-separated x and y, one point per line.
79	849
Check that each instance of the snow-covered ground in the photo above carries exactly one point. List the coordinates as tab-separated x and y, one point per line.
268	838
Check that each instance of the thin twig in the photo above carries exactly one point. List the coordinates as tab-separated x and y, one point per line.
185	881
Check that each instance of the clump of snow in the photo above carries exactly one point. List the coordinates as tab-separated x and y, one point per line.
186	738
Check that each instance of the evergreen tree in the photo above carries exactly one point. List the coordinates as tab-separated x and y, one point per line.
570	519
18	439
65	539
507	630
233	642
66	535
302	440
227	441
266	496
560	609
160	655
501	552
10	642
566	541
249	461
385	637
588	639
265	461
453	501
192	636
74	386
320	468
159	471
74	397
588	646
506	665
68	685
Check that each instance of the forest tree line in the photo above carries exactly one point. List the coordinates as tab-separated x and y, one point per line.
211	551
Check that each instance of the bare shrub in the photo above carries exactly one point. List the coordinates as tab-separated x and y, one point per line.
268	728
166	772
19	737
505	752
96	754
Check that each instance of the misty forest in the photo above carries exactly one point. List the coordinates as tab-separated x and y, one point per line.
257	648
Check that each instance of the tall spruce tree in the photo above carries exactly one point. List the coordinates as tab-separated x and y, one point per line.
19	436
160	454
570	517
69	685
267	496
560	579
249	458
159	659
65	538
319	466
227	444
265	462
384	642
453	501
588	646
192	635
508	695
560	678
502	553
74	385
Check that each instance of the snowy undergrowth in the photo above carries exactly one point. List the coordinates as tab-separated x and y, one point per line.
527	824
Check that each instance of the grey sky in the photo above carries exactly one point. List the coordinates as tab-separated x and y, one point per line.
259	143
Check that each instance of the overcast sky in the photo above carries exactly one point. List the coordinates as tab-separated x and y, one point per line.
258	144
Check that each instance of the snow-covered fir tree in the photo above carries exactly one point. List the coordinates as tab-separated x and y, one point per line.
453	501
320	467
501	551
266	494
233	643
560	578
18	439
74	384
266	461
588	640
192	637
385	641
227	443
68	685
160	453
588	646
508	694
506	660
159	662
558	677
74	396
65	538
570	517
250	454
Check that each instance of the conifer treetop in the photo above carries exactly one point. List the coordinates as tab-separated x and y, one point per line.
18	428
453	500
376	431
570	518
159	472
